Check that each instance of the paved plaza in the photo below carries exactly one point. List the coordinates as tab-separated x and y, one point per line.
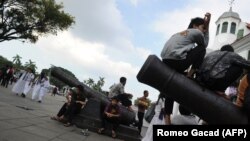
22	119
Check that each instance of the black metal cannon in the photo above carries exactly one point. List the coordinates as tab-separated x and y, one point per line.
127	116
199	100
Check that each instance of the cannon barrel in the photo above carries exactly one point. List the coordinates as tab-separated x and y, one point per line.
127	116
199	100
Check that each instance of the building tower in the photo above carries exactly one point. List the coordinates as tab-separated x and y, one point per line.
227	29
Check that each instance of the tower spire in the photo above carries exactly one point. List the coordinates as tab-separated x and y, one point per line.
231	2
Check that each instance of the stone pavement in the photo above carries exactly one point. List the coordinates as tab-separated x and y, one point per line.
22	119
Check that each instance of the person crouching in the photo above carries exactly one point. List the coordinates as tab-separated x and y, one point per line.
112	115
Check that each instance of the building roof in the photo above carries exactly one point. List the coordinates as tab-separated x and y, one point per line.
242	43
229	14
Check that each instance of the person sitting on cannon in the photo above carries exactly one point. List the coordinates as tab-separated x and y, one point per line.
75	102
117	89
125	100
111	114
185	49
221	68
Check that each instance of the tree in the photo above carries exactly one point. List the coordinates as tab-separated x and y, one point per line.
96	86
4	61
29	19
30	64
90	82
17	61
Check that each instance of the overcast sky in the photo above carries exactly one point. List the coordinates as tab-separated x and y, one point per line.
112	38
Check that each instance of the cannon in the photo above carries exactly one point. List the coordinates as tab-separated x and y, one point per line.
199	100
127	117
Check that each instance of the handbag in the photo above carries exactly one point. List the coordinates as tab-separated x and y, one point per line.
150	113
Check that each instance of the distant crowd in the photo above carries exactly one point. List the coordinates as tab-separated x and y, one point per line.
25	82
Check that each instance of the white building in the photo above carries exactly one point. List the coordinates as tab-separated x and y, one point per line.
242	45
229	29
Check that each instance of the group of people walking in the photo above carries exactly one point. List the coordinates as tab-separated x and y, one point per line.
27	81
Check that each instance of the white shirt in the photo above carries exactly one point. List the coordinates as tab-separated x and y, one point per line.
116	89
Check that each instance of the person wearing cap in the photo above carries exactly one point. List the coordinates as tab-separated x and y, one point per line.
111	114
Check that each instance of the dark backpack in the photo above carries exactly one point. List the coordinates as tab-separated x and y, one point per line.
203	77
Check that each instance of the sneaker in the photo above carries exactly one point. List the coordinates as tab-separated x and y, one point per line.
85	132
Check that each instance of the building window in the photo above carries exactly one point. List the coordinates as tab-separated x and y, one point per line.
224	27
233	28
218	29
240	33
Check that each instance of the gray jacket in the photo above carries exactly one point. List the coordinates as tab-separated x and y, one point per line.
180	43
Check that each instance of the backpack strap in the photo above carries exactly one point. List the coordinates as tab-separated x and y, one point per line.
211	68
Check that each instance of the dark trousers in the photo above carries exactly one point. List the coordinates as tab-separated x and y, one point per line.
73	109
195	58
140	118
114	121
3	81
1	77
232	74
6	82
62	110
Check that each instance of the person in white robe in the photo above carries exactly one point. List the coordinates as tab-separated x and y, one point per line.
44	89
37	85
158	118
28	80
19	85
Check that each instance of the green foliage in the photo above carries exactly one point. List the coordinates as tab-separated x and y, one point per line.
29	19
4	61
30	64
17	61
96	86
